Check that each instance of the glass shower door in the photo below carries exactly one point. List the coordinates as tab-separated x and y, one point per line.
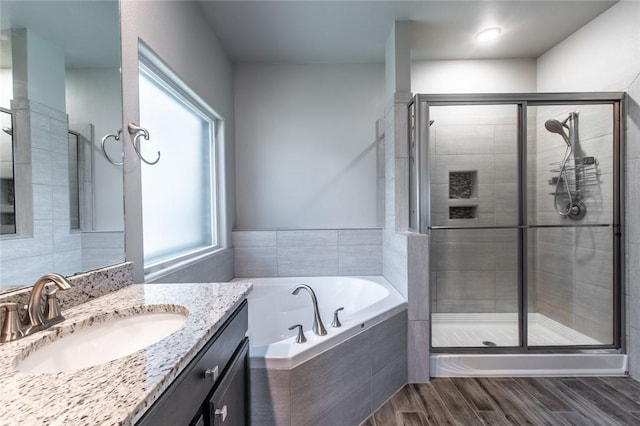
520	195
572	225
474	225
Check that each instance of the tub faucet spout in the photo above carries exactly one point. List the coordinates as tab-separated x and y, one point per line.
318	326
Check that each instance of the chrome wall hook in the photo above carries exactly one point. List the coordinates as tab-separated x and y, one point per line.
138	132
116	137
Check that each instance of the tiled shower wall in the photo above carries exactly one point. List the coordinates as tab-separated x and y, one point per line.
575	272
324	252
632	224
474	270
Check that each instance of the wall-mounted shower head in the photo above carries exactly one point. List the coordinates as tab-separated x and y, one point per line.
555	126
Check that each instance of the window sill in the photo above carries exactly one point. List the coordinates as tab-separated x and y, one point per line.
161	269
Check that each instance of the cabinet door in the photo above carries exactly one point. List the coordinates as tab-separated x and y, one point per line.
186	395
227	406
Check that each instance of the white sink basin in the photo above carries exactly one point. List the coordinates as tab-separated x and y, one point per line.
102	342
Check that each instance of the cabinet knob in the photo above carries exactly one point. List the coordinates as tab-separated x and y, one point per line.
222	412
212	373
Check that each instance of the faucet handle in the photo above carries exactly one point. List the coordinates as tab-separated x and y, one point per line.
11	327
336	321
300	338
52	312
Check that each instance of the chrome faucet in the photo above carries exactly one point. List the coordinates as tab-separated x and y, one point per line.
35	318
318	327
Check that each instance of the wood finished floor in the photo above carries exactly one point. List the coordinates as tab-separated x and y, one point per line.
513	401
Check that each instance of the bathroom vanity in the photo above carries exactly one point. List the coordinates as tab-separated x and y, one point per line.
213	385
196	375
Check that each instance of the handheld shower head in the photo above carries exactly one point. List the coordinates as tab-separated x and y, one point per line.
555	126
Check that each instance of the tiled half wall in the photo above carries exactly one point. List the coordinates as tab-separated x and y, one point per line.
291	253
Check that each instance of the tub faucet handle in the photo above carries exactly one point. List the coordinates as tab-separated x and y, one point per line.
300	338
336	321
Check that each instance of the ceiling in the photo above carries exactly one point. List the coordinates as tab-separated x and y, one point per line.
310	31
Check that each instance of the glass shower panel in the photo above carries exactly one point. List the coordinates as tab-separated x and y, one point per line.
571	165
474	186
475	296
571	297
570	211
474	165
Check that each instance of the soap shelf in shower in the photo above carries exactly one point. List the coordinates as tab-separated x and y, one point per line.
582	173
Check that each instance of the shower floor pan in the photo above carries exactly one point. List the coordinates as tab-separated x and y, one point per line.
478	330
490	330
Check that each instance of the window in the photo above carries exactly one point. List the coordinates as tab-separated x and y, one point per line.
179	196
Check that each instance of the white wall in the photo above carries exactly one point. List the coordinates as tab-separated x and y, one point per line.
6	82
604	55
179	33
38	68
6	147
474	76
306	145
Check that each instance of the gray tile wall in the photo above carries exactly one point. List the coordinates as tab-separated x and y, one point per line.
405	260
487	149
396	199
632	234
52	246
307	253
341	386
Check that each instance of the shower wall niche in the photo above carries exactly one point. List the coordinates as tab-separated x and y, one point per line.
509	265
463	195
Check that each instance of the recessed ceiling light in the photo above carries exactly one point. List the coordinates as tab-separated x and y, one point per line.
488	34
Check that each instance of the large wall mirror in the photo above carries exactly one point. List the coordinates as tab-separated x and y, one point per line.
61	200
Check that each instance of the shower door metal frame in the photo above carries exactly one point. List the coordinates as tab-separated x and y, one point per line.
420	199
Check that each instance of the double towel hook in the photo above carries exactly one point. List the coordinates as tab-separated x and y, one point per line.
138	132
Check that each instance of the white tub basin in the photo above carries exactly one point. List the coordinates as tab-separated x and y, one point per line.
102	342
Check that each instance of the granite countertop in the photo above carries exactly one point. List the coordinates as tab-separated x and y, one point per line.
120	391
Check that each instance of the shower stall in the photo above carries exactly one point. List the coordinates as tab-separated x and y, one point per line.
520	196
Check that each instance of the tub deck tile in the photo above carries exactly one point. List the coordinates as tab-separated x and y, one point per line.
324	381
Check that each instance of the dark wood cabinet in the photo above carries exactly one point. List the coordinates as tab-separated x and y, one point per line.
216	378
227	405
